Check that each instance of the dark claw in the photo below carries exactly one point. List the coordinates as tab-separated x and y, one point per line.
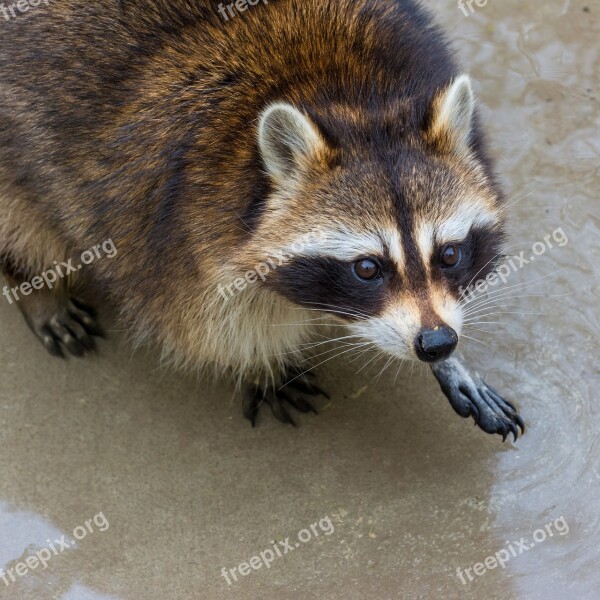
80	334
256	397
86	317
84	307
276	401
50	342
475	413
251	403
499	397
298	402
73	346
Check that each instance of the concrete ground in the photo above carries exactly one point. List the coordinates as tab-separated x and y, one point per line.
400	492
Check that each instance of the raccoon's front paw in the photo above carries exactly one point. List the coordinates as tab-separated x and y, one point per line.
290	393
469	395
72	326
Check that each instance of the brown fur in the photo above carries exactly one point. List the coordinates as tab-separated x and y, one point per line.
138	123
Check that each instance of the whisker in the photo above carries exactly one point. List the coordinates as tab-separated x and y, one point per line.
335	307
482	307
387	364
492	322
525	285
372	359
488	305
466	289
476	340
486	331
400	365
327	341
315	366
333	312
302	350
360	354
498	255
507	206
351	346
503	312
305	322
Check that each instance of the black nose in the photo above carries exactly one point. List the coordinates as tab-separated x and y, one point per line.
433	345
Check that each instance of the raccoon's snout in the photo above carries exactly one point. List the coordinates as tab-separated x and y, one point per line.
434	345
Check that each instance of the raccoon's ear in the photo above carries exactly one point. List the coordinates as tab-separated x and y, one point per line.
288	141
452	116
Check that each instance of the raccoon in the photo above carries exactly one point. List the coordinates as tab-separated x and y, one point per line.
206	148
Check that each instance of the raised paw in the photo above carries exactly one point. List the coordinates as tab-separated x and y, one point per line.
469	395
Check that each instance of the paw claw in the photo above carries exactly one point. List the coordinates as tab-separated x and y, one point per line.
50	343
475	413
513	430
251	404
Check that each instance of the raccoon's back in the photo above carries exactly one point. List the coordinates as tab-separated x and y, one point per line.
136	119
72	69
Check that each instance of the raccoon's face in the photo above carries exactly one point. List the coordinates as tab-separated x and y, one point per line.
382	234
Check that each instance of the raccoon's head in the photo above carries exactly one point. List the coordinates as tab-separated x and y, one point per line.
380	217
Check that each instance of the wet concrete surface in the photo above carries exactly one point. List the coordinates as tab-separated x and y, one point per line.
412	492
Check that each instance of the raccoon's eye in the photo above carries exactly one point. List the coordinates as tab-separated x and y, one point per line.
367	269
451	256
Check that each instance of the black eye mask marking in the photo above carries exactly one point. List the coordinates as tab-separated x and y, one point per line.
330	284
